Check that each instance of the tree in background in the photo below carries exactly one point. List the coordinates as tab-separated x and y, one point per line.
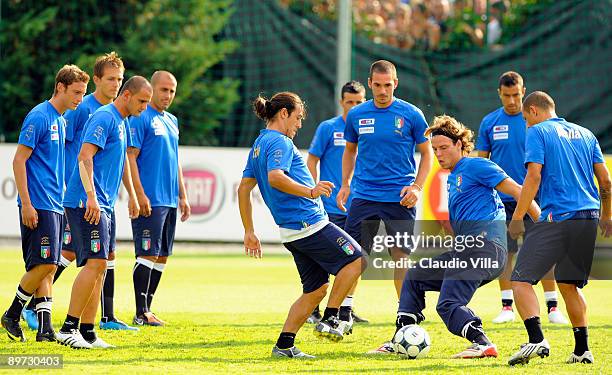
37	38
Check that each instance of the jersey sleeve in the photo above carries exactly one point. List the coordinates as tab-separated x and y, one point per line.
349	129
137	131
597	154
489	173
248	169
33	129
419	125
97	129
534	146
279	155
319	141
483	143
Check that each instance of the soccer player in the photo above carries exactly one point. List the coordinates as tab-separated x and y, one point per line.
386	185
502	138
90	198
107	76
159	186
327	147
475	211
319	248
561	160
39	175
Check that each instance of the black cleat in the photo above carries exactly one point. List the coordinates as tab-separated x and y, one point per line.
45	336
12	328
358	319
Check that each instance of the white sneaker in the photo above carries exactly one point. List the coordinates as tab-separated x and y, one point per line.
72	339
555	316
385	348
505	316
586	357
346	327
528	351
101	344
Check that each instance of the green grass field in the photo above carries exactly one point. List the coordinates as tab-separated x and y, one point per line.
224	313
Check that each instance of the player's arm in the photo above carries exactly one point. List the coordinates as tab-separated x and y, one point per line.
605	187
511	188
29	217
311	162
252	246
410	194
133	207
86	173
143	200
528	193
348	167
280	181
184	205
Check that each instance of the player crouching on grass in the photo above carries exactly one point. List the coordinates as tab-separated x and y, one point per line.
319	248
475	210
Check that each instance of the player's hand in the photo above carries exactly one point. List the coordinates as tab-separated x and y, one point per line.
446	227
606	227
252	246
145	205
92	210
133	208
516	228
185	208
410	196
29	216
342	197
322	188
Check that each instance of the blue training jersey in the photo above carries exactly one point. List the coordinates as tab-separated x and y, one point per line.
567	153
386	140
44	131
473	203
156	135
503	136
273	150
105	129
75	122
328	145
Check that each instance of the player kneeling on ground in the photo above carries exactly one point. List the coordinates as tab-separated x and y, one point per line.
475	211
319	247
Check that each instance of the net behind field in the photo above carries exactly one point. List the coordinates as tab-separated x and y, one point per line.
564	50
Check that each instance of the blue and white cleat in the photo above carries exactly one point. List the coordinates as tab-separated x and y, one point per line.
117	325
30	318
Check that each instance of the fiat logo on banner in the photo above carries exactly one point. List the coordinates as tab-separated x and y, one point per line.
205	191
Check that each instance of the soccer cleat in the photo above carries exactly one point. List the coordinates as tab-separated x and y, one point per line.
358	319
528	351
30	318
477	351
505	316
346	326
385	348
555	316
147	319
12	328
163	323
329	329
586	357
72	339
314	318
45	336
117	324
292	352
101	344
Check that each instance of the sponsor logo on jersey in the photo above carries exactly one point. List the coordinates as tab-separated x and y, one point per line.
366	130
366	121
499	136
500	128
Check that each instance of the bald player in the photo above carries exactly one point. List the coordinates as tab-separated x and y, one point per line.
158	181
